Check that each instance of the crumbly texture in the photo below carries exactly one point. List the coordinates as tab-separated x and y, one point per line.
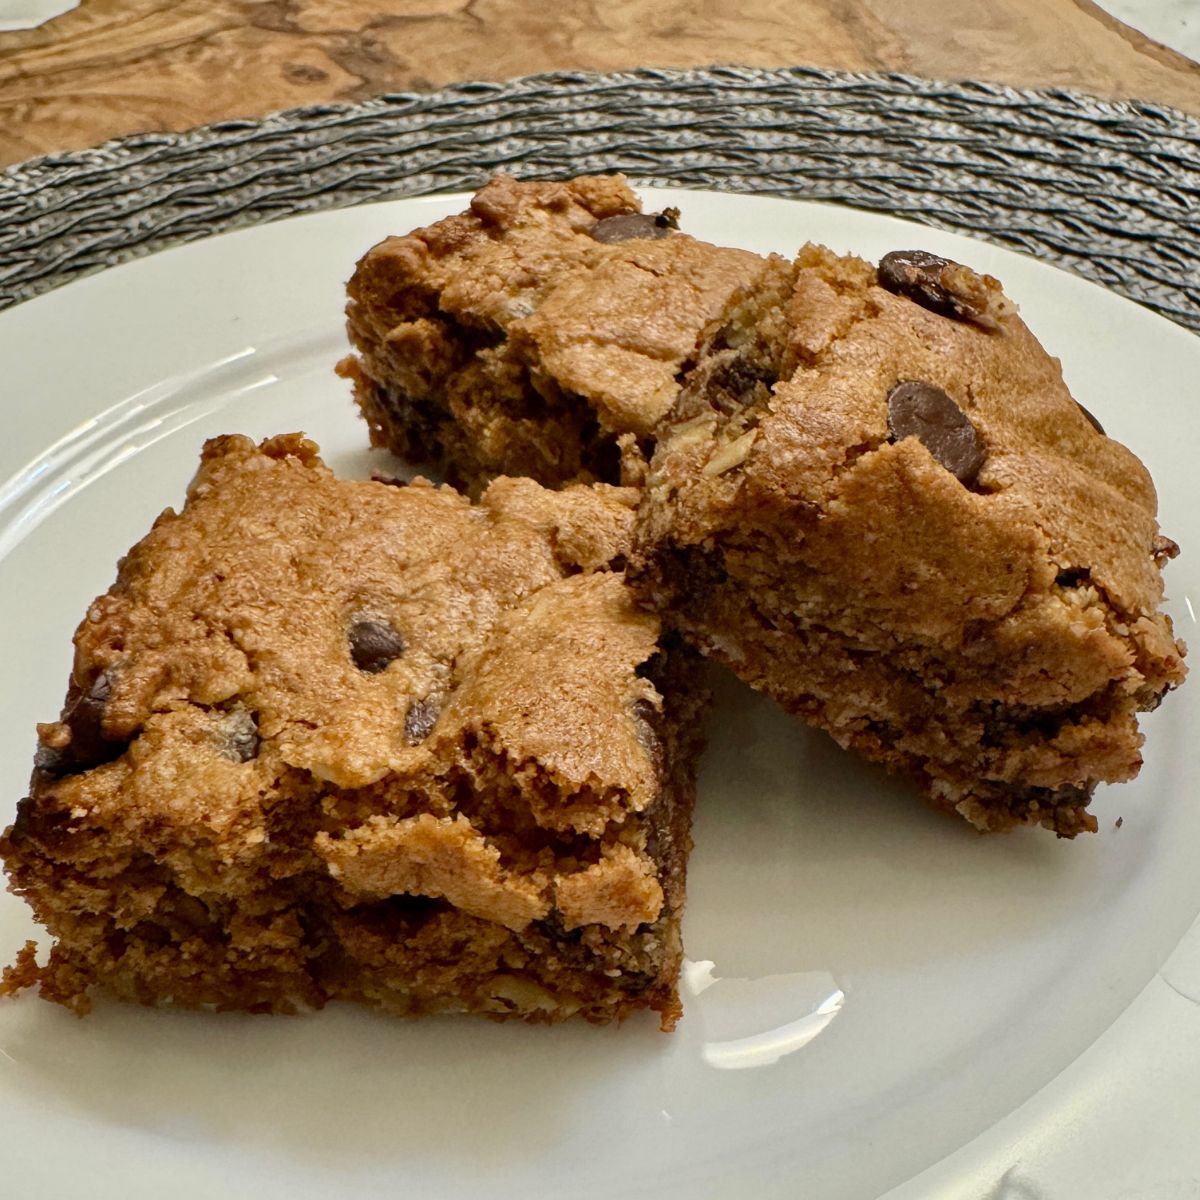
330	739
913	537
541	333
866	488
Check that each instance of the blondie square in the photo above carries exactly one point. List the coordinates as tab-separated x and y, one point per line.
329	739
541	332
915	539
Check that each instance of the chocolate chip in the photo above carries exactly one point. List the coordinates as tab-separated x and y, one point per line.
53	762
737	383
929	280
627	227
920	410
420	719
1091	420
374	644
239	736
86	716
41	824
83	714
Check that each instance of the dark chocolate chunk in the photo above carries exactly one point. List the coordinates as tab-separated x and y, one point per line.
1091	420
920	410
83	714
239	736
86	716
737	383
627	227
374	644
53	762
420	719
927	279
39	823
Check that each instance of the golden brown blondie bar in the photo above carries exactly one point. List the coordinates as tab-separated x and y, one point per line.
329	739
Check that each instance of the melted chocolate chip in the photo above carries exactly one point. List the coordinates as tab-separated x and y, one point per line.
86	716
420	719
239	736
927	279
83	714
374	644
737	383
627	227
920	410
38	823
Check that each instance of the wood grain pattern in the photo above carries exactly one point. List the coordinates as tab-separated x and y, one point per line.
120	66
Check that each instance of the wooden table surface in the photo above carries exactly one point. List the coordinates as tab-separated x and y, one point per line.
114	67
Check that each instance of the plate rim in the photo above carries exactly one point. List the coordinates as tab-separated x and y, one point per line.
1190	942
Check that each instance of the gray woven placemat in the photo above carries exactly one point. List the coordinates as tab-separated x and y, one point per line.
1110	190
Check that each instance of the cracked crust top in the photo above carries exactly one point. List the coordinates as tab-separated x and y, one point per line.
920	484
1054	498
394	644
542	299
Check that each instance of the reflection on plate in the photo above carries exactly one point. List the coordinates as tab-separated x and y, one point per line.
871	987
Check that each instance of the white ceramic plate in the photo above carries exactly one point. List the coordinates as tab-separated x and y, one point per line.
878	999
